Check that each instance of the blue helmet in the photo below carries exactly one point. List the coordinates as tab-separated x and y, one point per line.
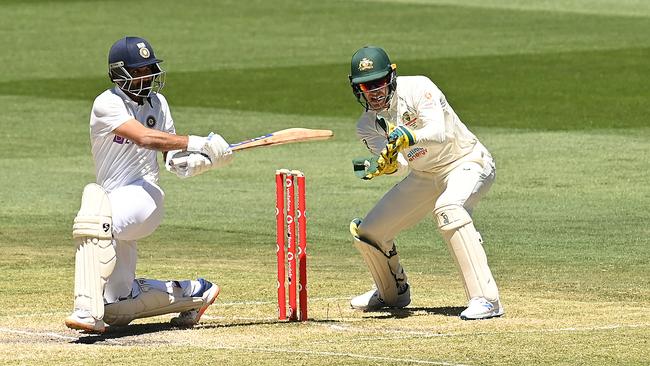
128	54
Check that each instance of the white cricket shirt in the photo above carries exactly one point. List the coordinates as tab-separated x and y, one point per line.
418	104
119	161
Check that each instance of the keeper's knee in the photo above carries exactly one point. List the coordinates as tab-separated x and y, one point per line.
371	234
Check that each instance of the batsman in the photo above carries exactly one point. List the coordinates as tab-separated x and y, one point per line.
129	124
411	129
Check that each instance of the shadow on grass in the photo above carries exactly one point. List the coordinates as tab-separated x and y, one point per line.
125	331
140	329
415	311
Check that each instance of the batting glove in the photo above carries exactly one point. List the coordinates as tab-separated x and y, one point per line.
214	146
187	164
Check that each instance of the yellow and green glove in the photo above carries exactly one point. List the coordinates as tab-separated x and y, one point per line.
368	168
401	137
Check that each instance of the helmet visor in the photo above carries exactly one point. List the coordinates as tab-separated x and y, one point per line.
374	85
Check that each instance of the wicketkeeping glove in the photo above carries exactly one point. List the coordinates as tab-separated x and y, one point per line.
364	166
368	168
387	161
402	137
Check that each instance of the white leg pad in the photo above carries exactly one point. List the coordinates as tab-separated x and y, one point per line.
465	245
151	301
95	254
385	268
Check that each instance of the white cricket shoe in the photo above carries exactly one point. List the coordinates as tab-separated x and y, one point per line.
370	301
481	308
82	320
209	293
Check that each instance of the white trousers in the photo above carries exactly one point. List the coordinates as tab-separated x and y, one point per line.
137	211
409	201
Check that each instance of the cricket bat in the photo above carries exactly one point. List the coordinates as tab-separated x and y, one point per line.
290	135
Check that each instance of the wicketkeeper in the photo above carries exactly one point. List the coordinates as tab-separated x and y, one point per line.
410	128
129	124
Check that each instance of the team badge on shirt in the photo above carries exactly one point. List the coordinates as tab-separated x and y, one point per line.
408	119
366	64
151	121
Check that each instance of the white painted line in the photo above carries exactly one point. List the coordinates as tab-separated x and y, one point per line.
38	334
415	333
216	317
259	302
249	349
334	354
30	315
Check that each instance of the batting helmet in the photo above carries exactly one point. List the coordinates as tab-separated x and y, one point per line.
129	54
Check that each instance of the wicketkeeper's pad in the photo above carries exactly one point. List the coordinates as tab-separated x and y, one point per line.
466	246
385	268
95	256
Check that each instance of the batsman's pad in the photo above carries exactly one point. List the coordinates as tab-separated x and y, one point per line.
150	302
466	246
95	255
385	268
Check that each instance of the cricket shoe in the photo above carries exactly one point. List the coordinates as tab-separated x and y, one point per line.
370	301
481	308
82	320
208	292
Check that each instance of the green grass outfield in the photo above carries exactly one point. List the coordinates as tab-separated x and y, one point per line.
558	92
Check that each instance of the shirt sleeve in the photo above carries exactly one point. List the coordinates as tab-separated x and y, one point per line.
108	113
429	102
371	134
168	125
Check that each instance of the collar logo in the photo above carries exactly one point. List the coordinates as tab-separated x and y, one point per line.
366	64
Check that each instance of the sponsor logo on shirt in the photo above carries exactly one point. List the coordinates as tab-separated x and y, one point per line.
416	153
120	140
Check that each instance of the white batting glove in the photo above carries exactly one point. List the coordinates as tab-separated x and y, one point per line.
214	146
187	164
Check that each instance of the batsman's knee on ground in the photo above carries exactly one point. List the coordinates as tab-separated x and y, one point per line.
154	298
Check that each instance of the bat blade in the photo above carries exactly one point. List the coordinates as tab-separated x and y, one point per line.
290	135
